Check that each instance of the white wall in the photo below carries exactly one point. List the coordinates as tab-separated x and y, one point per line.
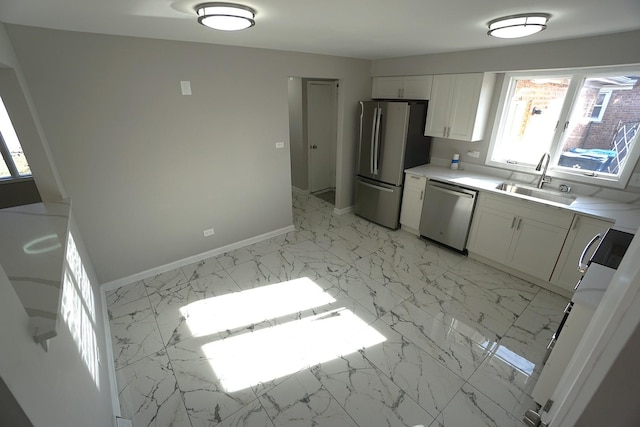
615	402
54	388
612	49
148	169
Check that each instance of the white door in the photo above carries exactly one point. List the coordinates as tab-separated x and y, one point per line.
321	134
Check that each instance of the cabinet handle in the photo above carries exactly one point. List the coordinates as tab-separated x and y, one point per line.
519	223
421	194
575	223
513	223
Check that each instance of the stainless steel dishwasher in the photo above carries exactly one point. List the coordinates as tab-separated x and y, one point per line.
446	213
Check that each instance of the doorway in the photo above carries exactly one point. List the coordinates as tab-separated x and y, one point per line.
321	134
313	105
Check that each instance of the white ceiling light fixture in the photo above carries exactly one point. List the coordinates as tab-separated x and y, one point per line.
514	26
225	16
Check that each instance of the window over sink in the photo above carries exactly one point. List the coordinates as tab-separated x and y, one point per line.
588	120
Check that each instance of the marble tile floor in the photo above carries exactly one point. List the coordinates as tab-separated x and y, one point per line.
339	323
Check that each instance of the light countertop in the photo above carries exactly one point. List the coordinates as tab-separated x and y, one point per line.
625	215
33	239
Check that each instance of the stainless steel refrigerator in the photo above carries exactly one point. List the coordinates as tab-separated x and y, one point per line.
391	139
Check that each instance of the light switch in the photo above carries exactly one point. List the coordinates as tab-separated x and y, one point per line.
185	87
280	144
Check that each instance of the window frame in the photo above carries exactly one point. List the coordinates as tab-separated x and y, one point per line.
577	77
7	157
603	107
8	161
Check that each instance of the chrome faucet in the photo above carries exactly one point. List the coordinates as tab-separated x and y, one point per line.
546	158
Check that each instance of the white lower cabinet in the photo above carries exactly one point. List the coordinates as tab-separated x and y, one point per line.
412	197
583	229
491	232
525	236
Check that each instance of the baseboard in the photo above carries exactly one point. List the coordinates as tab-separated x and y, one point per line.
524	276
410	230
299	190
343	211
115	284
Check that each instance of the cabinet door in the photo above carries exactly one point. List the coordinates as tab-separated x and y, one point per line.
464	106
439	106
536	247
411	208
387	88
565	274
412	198
417	87
491	233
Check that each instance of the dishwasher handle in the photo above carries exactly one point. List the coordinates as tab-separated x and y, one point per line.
451	189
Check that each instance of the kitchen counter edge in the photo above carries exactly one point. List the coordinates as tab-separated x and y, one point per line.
625	215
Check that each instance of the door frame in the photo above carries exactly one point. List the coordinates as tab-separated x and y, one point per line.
334	144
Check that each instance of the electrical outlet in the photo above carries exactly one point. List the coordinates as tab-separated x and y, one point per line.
474	154
280	144
635	180
208	232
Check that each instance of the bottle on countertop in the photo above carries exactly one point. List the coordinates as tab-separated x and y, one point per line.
455	161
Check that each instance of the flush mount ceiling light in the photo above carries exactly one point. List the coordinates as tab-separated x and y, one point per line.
225	16
514	26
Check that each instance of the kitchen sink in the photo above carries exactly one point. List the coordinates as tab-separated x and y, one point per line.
537	193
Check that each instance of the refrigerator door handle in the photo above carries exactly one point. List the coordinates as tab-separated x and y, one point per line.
376	165
373	139
377	187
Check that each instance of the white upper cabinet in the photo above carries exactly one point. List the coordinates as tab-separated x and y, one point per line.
402	87
459	106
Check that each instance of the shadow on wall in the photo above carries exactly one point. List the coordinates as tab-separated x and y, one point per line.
18	193
11	413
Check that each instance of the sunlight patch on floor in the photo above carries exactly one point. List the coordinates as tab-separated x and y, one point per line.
246	360
249	359
238	309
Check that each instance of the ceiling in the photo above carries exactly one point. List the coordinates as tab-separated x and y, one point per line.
368	29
